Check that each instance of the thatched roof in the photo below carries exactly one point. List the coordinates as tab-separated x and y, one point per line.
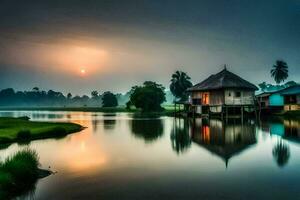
221	80
226	152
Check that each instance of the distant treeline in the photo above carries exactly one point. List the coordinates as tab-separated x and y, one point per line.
36	97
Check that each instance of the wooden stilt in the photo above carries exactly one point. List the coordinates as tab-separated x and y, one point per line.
175	109
242	113
193	108
222	113
226	114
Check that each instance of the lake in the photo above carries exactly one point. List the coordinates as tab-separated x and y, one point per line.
120	156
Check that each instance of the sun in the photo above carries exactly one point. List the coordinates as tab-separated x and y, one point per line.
82	72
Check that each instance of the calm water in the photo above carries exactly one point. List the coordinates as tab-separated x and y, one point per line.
122	157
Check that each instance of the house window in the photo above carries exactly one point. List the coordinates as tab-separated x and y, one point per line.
205	98
229	94
237	94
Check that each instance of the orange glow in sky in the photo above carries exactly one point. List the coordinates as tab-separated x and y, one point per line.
77	59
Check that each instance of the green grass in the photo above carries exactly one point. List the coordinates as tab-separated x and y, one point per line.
18	173
21	129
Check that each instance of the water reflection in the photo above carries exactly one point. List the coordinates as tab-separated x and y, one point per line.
109	124
180	137
292	130
223	139
28	192
281	153
41	115
147	129
95	122
105	164
286	128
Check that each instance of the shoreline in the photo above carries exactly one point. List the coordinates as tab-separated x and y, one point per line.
21	130
168	110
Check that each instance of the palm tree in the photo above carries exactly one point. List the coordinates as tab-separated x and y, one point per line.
280	71
180	82
281	153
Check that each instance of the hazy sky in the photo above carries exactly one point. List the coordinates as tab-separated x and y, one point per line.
86	45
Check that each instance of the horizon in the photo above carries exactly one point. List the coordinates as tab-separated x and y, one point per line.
274	87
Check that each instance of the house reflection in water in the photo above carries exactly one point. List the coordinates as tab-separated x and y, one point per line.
288	129
223	139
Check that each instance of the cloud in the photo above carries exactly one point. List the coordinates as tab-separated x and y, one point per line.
121	43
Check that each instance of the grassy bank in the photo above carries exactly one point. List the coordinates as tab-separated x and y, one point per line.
19	173
21	129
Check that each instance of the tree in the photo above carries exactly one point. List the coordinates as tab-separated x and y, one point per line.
148	97
94	94
180	82
7	97
84	100
69	96
149	130
263	86
280	71
109	99
180	138
36	89
290	83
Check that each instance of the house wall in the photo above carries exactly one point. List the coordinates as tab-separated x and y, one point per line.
238	97
264	101
214	97
196	95
292	102
198	109
276	100
227	97
292	107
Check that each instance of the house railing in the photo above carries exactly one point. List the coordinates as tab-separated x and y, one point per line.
240	101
